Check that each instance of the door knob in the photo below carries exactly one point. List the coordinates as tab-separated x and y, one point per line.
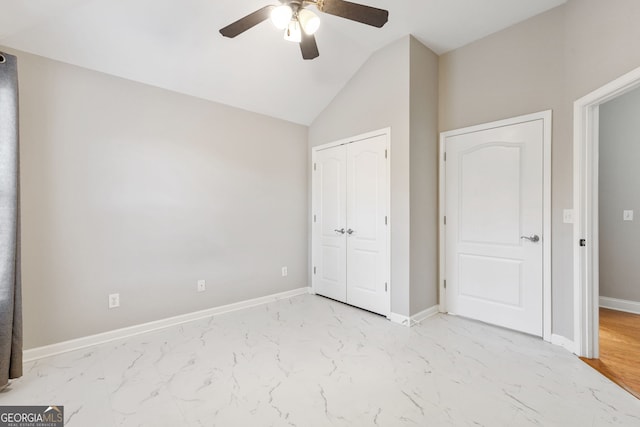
341	231
535	238
350	231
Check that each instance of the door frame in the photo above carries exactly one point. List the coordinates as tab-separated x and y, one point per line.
546	117
586	144
380	132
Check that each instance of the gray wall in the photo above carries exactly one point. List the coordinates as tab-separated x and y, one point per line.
132	189
546	62
379	96
518	71
423	163
619	180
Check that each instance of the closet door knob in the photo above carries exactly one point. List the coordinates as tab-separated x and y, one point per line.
341	231
350	231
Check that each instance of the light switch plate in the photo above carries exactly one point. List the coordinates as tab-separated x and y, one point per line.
627	215
567	216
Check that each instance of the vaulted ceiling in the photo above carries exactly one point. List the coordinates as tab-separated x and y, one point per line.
175	44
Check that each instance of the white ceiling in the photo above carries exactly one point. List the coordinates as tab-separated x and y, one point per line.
175	44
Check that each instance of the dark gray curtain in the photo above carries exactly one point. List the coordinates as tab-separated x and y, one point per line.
10	289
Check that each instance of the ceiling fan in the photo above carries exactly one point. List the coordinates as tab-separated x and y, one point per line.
300	24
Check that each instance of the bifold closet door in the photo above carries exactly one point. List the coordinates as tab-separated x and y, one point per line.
350	255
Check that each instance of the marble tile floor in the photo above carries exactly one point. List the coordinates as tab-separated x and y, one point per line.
310	361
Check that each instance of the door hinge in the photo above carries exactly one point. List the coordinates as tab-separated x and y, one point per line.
445	220
386	220
314	270
583	242
445	156
314	219
385	154
386	287
445	283
314	166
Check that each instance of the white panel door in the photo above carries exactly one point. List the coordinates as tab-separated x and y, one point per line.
366	225
350	217
329	226
494	213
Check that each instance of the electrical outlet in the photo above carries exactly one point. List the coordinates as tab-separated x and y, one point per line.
627	215
202	286
285	272
114	300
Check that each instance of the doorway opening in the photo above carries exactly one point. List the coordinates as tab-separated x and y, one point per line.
604	147
586	225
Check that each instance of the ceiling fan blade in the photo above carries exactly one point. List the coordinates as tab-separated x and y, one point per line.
309	47
249	21
355	12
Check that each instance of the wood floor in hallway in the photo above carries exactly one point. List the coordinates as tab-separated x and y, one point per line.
619	349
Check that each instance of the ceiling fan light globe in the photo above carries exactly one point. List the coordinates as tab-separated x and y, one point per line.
293	33
309	21
281	16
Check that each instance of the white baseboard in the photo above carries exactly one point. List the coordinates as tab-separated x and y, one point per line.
416	318
565	343
399	318
425	314
91	340
620	305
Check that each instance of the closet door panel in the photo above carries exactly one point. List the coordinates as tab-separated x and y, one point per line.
329	233
367	225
